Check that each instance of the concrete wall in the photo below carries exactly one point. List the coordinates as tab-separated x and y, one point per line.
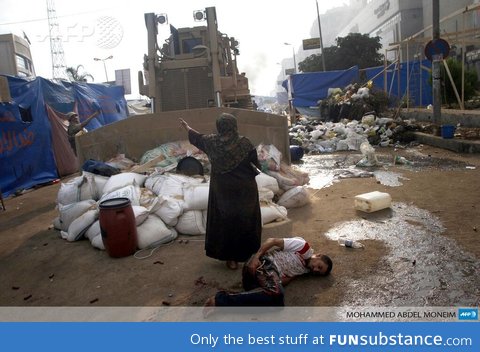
138	134
466	118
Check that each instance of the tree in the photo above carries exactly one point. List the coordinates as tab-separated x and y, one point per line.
470	81
354	49
75	75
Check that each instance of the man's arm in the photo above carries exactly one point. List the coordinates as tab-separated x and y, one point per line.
264	248
84	123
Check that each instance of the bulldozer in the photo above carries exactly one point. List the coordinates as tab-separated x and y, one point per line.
196	67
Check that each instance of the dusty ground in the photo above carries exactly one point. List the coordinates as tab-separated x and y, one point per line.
430	259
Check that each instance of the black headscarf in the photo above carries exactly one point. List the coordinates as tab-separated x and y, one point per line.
227	149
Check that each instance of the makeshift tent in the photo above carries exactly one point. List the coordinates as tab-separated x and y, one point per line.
420	87
34	147
308	88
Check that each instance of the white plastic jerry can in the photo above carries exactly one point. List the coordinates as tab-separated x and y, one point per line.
372	201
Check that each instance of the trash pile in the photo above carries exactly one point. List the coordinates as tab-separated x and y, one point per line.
353	102
320	137
165	203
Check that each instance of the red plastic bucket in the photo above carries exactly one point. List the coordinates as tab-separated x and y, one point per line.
118	228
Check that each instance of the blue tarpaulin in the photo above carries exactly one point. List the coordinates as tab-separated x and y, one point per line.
419	81
309	88
29	128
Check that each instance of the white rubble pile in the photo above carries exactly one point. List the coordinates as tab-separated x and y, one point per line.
344	135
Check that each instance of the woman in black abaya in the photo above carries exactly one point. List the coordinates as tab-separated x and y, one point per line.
234	224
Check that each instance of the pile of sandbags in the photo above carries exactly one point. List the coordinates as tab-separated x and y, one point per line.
164	205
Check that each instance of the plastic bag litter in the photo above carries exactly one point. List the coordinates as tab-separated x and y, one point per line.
369	157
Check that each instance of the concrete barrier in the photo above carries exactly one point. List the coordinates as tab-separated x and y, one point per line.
138	134
466	118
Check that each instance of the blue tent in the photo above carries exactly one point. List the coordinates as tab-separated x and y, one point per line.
418	77
308	88
32	137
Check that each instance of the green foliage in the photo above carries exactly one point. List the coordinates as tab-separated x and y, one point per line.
354	49
455	68
75	75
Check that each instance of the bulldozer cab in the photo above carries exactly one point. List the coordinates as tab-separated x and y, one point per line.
196	67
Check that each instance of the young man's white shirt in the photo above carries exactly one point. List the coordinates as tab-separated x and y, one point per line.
290	261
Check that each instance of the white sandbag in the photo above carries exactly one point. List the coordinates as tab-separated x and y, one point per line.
192	223
294	198
93	230
196	196
100	182
165	185
265	195
70	191
272	212
97	242
123	180
154	232
148	199
131	192
266	181
70	212
168	209
269	156
80	225
57	225
140	213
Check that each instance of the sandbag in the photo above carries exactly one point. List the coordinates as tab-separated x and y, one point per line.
140	213
69	212
57	225
192	223
80	225
97	242
154	232
100	182
294	198
170	184
93	230
272	212
265	195
168	209
123	180
131	192
148	199
196	196
269	157
265	181
78	189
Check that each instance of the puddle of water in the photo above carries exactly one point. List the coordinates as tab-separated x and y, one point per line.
326	169
389	178
422	268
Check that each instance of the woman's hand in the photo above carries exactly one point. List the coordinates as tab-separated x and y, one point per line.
184	124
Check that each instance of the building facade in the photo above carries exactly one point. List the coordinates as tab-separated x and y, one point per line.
15	56
404	27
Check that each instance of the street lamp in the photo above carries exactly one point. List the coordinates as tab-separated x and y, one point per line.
294	60
104	66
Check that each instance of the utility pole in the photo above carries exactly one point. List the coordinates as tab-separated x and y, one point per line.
436	62
320	36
